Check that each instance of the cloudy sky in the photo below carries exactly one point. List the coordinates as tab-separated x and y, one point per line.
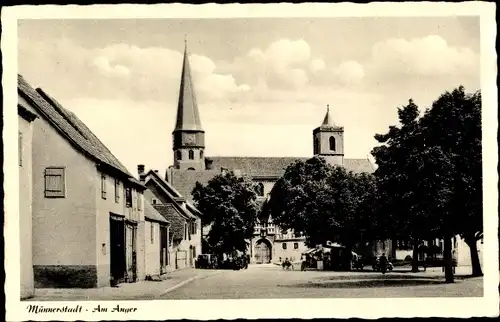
262	84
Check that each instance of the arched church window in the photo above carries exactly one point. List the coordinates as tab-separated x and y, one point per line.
201	154
260	189
332	143
178	155
191	155
316	146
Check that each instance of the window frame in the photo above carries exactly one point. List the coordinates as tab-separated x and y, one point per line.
191	155
178	155
128	196
334	145
295	245
117	191
283	246
55	193
103	186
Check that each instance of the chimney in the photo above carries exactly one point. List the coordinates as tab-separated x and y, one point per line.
140	170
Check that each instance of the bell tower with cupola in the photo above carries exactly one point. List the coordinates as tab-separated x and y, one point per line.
188	135
329	141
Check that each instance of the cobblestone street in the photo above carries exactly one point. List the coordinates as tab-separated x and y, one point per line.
268	281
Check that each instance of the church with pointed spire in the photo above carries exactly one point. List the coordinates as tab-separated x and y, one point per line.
191	165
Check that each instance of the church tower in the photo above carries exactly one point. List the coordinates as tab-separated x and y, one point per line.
329	141
188	135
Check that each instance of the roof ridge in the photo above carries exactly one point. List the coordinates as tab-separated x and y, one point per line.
59	109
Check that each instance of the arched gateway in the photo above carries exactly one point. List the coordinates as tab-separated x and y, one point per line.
263	251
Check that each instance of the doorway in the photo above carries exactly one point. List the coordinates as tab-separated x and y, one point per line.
263	251
130	250
117	249
163	249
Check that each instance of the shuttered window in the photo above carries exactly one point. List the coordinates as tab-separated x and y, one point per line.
117	190
103	186
128	197
55	182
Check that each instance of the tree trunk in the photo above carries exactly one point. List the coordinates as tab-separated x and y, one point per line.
448	263
414	258
474	256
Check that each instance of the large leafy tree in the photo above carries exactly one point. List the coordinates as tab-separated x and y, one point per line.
398	159
453	126
229	207
323	202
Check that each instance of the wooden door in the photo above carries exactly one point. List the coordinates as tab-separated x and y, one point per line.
117	249
163	249
131	260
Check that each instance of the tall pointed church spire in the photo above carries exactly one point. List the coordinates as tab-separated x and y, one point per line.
188	117
327	121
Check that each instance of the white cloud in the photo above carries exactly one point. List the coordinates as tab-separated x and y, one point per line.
317	65
349	72
104	66
427	56
288	65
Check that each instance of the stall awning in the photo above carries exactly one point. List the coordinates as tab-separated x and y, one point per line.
309	251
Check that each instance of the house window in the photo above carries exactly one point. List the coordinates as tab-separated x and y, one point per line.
154	201
283	245
201	154
152	232
128	197
295	245
139	201
55	182
332	143
178	154
103	186
191	169
117	190
20	149
191	155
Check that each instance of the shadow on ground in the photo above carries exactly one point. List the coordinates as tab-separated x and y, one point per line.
388	276
368	283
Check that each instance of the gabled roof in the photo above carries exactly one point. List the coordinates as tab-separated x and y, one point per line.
255	167
172	215
150	213
270	168
188	117
172	194
73	129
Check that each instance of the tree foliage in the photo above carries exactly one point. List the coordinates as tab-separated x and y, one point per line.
429	172
229	207
322	202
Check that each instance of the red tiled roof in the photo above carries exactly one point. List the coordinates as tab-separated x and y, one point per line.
71	127
152	214
172	215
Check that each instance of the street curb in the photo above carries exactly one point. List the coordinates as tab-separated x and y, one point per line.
189	280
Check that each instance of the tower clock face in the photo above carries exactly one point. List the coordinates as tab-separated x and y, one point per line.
190	138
